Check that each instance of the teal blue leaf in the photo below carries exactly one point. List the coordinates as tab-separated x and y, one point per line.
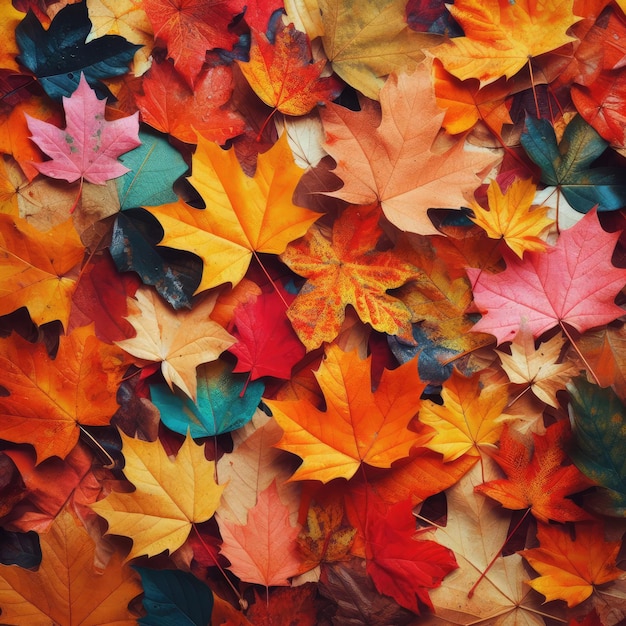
154	167
174	598
568	165
219	409
599	425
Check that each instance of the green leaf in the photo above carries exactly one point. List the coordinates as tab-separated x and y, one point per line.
567	165
154	167
174	598
57	56
599	423
220	407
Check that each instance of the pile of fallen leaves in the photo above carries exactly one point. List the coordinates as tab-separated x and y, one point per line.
312	313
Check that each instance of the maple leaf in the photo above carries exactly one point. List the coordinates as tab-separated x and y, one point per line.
571	568
178	340
500	38
37	269
58	396
191	27
67	589
11	17
282	74
367	427
263	550
573	282
346	270
509	216
467	421
395	160
538	368
171	106
244	215
89	145
538	478
160	513
368	44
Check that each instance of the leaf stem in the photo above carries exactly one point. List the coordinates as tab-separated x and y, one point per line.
78	196
265	123
98	446
280	295
532	86
580	354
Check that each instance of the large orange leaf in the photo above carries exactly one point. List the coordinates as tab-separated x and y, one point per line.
538	478
54	397
170	496
347	270
396	160
501	37
243	216
35	269
67	589
264	550
571	568
358	426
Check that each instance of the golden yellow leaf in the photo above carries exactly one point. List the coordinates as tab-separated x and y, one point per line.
9	19
170	496
510	216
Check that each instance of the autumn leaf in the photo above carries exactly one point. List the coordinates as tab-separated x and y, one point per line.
468	420
11	17
191	27
160	513
178	340
282	74
539	369
510	216
264	550
55	397
346	270
571	568
89	145
244	215
395	159
500	38
367	44
367	427
538	477
67	589
37	269
574	283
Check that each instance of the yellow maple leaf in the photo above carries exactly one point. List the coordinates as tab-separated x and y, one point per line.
510	216
468	418
244	215
537	368
170	496
179	340
501	37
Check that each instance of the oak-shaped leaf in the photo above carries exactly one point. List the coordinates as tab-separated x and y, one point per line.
394	159
538	477
264	550
178	340
55	397
243	216
500	38
346	269
566	165
170	496
358	426
573	282
571	567
67	588
89	145
59	55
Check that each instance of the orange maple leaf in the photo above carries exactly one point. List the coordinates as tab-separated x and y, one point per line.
358	426
397	160
56	396
347	270
36	269
571	568
501	37
538	479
